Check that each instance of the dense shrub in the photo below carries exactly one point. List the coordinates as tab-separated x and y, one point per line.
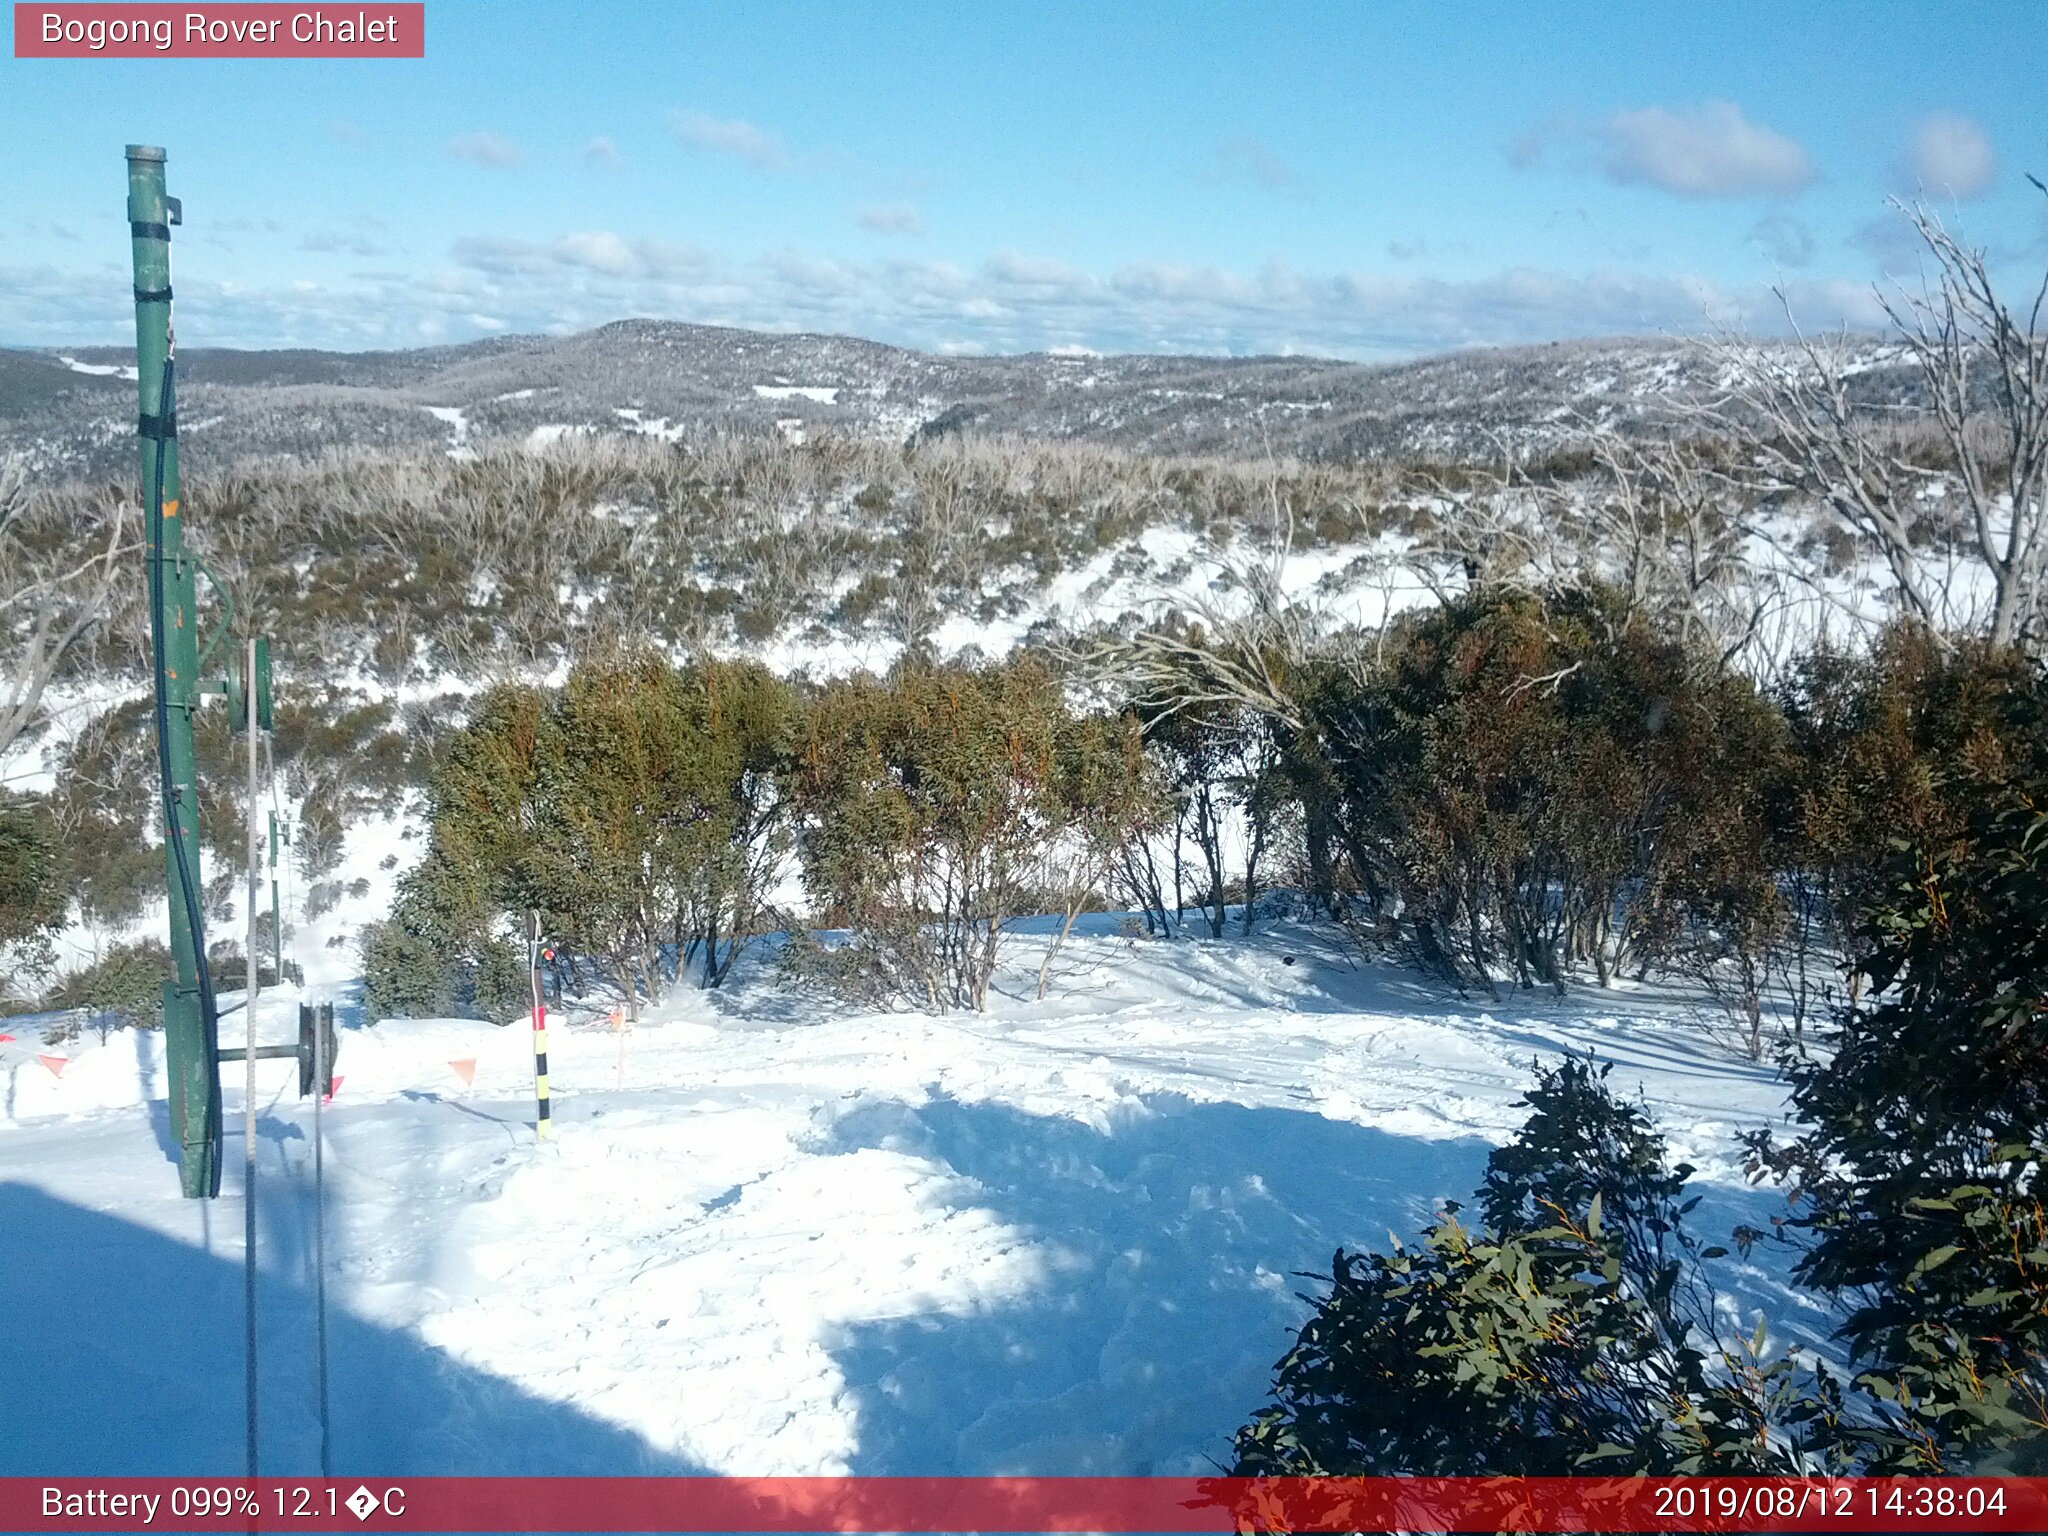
1566	1334
1525	786
126	984
1918	1181
1906	739
32	904
1572	1329
640	811
940	805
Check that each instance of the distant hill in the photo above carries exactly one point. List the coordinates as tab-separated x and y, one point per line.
73	416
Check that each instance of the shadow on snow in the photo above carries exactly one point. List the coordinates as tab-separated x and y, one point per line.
1174	1237
130	1362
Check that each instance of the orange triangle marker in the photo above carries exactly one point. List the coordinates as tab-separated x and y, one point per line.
56	1064
465	1068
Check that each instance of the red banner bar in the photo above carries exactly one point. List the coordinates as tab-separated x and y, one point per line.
1111	1504
368	29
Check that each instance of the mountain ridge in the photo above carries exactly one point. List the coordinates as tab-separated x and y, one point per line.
69	410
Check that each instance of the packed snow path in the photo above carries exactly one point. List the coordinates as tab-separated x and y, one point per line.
773	1238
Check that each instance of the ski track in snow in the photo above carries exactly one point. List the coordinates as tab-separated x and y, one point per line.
773	1237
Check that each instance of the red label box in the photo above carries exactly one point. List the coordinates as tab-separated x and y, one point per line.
366	29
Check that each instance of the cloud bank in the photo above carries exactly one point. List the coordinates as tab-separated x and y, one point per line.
1010	302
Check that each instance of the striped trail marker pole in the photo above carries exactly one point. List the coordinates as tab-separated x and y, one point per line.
542	1125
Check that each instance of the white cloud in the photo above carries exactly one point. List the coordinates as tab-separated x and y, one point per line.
1950	156
341	241
1016	301
597	253
732	136
891	219
1253	162
601	151
600	251
1014	270
1710	150
1013	302
1784	239
486	149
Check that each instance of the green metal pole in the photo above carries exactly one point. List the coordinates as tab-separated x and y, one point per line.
189	1041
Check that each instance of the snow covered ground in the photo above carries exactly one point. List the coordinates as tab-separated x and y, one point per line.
775	1237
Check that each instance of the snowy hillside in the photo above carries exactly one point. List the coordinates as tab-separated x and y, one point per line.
773	1236
73	409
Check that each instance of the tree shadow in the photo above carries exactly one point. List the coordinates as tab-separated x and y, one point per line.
1175	1234
1179	1235
130	1363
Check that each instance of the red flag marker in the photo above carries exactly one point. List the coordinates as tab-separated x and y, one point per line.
56	1064
465	1068
333	1087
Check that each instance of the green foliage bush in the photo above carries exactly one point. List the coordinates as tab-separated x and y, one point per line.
1919	1193
1904	740
1572	1330
1523	786
32	897
1565	1335
126	983
641	811
406	973
937	806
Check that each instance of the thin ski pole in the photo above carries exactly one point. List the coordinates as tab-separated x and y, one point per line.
322	1079
249	1070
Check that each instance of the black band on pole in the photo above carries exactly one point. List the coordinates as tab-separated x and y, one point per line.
152	295
145	231
158	429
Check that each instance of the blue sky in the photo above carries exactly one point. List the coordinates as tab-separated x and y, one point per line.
1361	180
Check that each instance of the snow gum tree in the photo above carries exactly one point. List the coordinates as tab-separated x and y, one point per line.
1967	470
